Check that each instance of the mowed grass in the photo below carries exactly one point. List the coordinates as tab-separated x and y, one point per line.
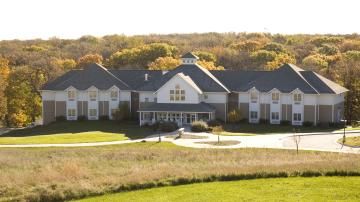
48	174
221	143
351	141
281	189
248	129
76	132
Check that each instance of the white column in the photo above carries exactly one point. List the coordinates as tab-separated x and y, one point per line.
153	117
167	116
181	118
140	117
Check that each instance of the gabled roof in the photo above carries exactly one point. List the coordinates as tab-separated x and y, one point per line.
200	76
186	79
322	84
189	55
136	78
93	75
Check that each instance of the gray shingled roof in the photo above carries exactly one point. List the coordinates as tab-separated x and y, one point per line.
189	55
93	75
178	107
286	78
201	77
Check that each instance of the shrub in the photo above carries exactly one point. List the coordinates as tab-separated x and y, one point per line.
322	124
123	112
199	126
244	120
308	123
60	118
82	118
214	123
285	122
165	126
234	116
104	117
217	130
263	121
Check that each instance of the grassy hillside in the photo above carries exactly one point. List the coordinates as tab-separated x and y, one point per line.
283	189
67	173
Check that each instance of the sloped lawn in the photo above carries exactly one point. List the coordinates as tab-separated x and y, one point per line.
76	132
283	189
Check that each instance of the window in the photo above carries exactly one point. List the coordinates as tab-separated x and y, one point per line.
71	95
275	96
253	114
71	112
92	95
114	95
297	98
275	115
92	112
146	99
205	97
253	96
297	117
155	99
114	111
177	94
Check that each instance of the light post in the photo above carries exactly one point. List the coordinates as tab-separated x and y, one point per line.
344	136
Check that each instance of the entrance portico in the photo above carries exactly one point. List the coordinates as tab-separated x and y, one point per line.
179	113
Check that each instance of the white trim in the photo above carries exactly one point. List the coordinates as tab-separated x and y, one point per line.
182	76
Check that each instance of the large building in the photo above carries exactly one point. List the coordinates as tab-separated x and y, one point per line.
190	92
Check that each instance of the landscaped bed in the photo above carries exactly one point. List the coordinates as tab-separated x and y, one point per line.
351	141
76	132
282	189
221	143
49	174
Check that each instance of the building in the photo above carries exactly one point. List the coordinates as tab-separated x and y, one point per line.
190	92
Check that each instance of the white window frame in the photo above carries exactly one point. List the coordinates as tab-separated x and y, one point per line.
275	97
96	112
296	117
297	97
256	113
91	98
254	96
71	94
277	116
177	94
114	95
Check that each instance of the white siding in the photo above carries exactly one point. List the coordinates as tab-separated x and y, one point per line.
191	95
309	99
149	95
243	97
215	97
125	96
48	95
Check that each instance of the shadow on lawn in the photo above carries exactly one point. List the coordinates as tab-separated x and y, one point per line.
130	129
269	128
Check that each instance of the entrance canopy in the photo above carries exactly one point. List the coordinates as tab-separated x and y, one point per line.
178	107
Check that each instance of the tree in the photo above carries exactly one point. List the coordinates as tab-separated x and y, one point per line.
123	112
247	46
262	57
4	74
279	60
88	59
327	49
296	139
164	63
234	116
275	47
205	56
209	65
65	64
315	62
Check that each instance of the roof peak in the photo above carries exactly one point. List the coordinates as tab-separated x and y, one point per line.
190	55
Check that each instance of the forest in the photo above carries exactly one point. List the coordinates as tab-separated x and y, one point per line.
25	65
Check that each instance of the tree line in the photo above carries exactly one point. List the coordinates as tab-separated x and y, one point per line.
26	65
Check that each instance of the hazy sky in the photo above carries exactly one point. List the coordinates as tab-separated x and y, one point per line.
27	19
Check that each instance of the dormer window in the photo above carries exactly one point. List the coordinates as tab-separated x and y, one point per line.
297	98
114	95
253	96
71	95
275	97
177	94
92	95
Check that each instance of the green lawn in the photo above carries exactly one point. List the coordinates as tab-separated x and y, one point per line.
247	129
281	189
76	132
351	141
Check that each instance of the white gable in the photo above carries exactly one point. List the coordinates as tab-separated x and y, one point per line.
192	93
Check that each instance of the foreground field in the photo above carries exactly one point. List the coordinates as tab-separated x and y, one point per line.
76	132
66	173
282	189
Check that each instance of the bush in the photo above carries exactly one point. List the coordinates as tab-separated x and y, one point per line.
308	123
217	130
199	126
234	116
165	126
263	121
60	118
104	117
82	118
214	123
322	124
285	122
244	120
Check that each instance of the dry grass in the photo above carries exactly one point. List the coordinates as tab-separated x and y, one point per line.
187	136
49	173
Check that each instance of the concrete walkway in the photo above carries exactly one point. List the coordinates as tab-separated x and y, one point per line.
309	141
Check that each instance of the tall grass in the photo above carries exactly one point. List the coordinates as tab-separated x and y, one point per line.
56	174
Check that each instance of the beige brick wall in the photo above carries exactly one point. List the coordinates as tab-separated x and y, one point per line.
286	112
48	111
244	110
309	113
60	108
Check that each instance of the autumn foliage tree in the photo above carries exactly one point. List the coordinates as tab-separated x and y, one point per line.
4	74
87	59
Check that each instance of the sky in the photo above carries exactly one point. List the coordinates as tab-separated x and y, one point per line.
30	19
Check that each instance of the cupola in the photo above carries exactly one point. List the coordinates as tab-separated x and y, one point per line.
189	58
